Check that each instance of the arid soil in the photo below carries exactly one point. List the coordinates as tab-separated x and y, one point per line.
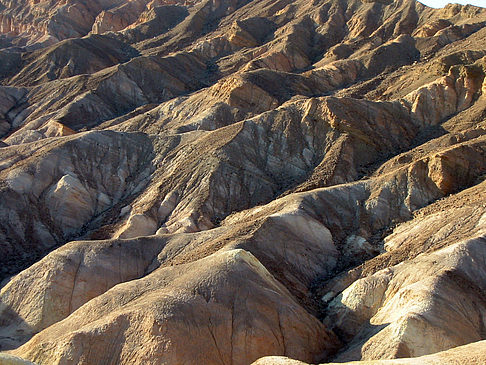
242	181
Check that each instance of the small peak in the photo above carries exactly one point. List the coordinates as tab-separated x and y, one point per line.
385	2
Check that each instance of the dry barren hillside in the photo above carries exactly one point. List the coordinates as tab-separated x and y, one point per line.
228	182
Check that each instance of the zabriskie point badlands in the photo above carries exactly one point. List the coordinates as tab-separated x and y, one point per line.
236	182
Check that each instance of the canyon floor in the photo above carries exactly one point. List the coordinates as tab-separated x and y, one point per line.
242	181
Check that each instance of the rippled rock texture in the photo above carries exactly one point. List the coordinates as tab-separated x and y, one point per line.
237	182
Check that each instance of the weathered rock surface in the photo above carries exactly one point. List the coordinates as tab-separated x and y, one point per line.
49	196
13	360
218	181
214	300
415	309
36	23
471	354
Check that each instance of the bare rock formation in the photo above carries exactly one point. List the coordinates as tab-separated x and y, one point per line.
211	299
231	181
67	195
472	354
416	309
13	360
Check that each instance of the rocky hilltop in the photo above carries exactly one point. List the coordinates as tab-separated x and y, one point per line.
242	181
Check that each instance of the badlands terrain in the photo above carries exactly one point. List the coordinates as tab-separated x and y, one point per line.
232	182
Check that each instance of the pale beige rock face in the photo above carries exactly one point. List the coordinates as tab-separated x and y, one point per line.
212	297
66	279
13	360
70	200
453	93
413	305
468	354
277	360
137	225
214	182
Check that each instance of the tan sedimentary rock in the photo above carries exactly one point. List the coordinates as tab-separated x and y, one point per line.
405	304
471	354
83	271
6	359
211	299
39	23
218	181
54	129
67	195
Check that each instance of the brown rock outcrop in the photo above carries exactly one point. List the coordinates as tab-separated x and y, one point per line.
67	195
217	181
